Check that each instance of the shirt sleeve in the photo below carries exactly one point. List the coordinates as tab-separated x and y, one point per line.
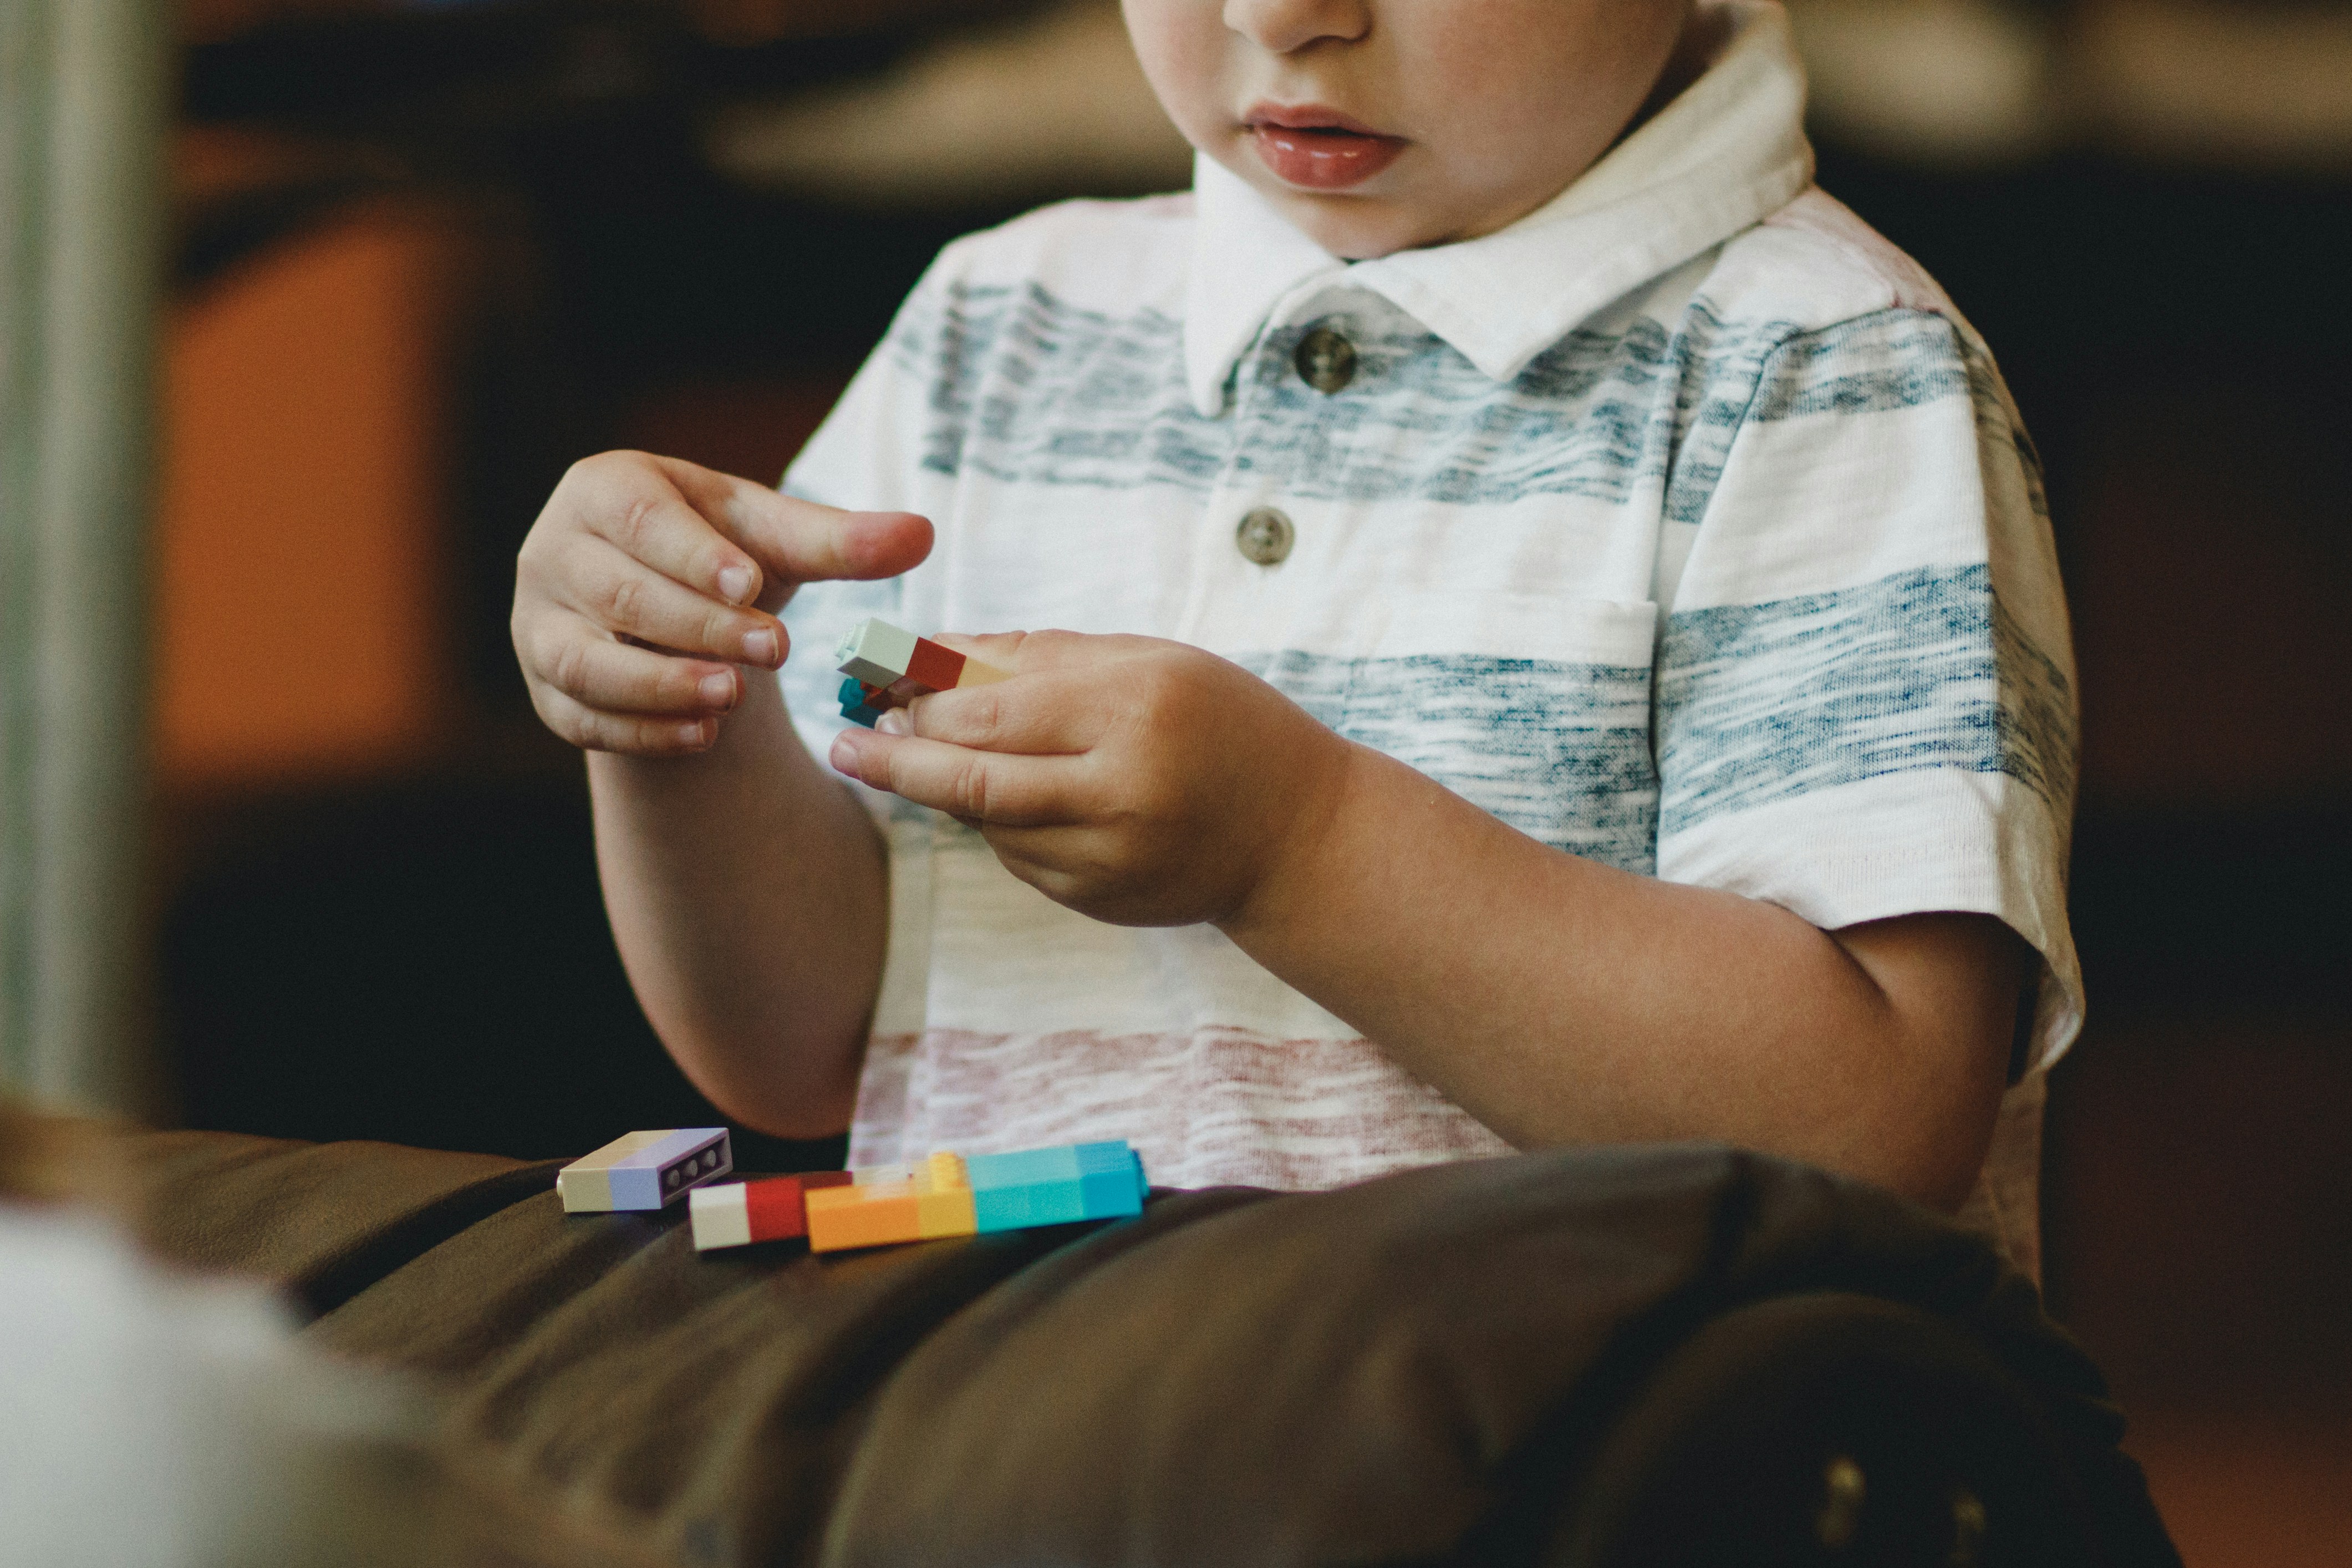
1865	698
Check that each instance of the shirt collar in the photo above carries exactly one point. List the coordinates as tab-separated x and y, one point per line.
1729	151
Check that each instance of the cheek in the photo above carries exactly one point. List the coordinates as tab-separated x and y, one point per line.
1182	44
1521	122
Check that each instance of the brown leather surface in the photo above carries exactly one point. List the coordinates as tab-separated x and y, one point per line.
1408	1371
324	1220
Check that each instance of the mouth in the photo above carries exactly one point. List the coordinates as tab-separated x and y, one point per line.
1316	148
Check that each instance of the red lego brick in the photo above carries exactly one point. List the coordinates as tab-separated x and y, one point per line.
935	665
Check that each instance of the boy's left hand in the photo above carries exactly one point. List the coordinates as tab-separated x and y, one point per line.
1137	781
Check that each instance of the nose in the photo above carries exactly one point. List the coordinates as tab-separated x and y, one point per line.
1284	26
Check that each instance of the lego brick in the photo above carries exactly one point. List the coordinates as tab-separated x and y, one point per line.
975	673
935	665
878	655
742	1213
875	651
863	1216
642	1171
1055	1186
948	1195
721	1215
892	1204
858	704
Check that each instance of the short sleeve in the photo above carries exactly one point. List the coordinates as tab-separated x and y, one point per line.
1865	697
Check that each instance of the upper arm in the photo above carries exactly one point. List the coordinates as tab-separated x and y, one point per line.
1865	703
1956	990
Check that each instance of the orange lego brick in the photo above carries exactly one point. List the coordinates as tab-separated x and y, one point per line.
894	1203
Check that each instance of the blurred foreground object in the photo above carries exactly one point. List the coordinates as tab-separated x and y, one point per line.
156	1421
167	1420
82	89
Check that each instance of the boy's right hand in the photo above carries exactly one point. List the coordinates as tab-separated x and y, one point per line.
647	581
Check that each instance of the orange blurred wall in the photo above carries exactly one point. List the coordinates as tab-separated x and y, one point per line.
299	561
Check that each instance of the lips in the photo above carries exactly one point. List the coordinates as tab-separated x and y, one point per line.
1318	148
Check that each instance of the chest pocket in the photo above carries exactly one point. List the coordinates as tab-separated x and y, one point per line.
1533	707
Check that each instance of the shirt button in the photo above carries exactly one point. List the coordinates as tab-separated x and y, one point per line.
1326	360
1266	536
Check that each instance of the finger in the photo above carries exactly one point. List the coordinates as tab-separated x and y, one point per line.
1004	650
977	786
628	734
617	593
599	672
1035	716
1025	653
798	540
632	501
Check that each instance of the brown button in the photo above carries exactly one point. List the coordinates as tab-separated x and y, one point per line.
1326	361
1266	536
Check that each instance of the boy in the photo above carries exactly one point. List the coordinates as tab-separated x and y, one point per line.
1566	646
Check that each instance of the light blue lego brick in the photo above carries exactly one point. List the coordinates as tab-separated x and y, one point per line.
655	1155
636	1189
1097	1159
658	1174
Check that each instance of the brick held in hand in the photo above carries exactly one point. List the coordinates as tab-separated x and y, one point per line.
879	655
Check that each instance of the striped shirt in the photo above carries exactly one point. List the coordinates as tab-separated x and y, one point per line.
1684	525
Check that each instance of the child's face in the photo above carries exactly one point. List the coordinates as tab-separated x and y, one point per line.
1380	125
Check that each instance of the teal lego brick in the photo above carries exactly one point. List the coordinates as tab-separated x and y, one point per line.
1108	1195
1059	1163
1056	1186
855	705
1027	1205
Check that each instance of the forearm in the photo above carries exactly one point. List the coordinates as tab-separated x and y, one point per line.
748	894
1561	1001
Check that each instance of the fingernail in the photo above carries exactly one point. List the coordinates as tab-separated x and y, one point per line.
894	722
760	646
690	734
844	755
717	691
735	582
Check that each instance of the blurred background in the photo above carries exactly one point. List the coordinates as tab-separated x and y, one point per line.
416	258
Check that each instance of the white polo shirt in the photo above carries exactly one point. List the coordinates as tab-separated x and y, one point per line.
1682	525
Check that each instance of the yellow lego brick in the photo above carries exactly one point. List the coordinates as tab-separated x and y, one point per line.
946	1213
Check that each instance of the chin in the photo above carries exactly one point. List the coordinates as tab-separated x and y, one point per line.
1354	228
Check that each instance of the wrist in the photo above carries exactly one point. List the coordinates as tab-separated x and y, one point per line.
1305	855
